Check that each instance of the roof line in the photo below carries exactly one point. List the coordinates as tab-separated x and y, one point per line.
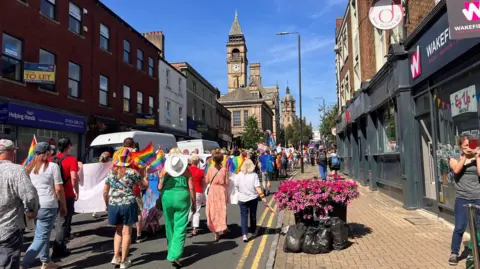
198	75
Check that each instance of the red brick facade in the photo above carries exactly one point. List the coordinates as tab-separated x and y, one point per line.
25	22
418	10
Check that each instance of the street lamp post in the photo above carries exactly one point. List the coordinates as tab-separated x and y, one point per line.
299	92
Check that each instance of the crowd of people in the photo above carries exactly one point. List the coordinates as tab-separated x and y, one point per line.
46	191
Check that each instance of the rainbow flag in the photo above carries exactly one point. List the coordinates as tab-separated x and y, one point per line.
31	152
144	157
234	164
279	161
159	162
209	164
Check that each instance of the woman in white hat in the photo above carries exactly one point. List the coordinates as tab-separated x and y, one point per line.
178	197
249	189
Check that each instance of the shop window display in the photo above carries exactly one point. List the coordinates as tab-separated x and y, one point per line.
25	136
388	134
455	106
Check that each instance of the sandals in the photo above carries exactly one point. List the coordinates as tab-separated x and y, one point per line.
177	264
194	232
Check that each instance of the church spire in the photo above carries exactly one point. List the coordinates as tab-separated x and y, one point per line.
236	29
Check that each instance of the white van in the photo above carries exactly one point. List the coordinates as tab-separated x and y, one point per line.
203	146
110	142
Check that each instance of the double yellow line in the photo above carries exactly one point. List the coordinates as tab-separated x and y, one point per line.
249	246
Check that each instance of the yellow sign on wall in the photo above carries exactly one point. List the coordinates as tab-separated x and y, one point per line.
39	73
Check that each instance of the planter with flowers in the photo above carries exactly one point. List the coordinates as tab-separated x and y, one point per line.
309	197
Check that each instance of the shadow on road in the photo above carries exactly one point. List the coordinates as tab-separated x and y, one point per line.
192	253
358	230
89	221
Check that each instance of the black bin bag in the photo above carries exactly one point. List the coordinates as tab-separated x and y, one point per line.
317	240
339	233
294	238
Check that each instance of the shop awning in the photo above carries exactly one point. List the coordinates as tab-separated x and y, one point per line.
23	115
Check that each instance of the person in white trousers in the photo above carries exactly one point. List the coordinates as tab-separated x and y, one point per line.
199	184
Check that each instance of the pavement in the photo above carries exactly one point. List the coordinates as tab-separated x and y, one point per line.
93	245
383	235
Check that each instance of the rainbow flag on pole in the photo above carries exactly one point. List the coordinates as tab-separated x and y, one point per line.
144	157
235	163
158	163
31	152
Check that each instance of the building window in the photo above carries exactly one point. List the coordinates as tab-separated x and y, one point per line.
103	93
150	105
167	77
168	115
203	112
194	87
194	108
151	67
126	51
75	20
245	117
12	66
139	102
179	85
47	58
389	130
203	94
139	59
47	8
104	37
126	98
74	74
237	121
180	117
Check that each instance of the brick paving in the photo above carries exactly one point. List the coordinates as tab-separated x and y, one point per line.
383	238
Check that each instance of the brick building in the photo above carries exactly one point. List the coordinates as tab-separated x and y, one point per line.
106	72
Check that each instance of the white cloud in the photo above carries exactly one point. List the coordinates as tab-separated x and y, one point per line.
289	52
326	7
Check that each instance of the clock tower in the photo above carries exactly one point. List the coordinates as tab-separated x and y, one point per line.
237	62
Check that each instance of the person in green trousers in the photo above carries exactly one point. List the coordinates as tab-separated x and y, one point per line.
178	198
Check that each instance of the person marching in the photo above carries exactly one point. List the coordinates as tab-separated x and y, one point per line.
199	184
121	204
178	198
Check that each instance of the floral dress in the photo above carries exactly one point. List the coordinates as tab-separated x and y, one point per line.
121	189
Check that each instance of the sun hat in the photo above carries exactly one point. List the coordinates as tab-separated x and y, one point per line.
176	164
247	166
121	157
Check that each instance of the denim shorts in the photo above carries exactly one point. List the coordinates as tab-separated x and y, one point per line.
123	214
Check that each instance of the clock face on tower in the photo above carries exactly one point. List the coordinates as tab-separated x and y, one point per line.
236	67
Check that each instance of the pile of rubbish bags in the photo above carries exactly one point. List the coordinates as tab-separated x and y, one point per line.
326	235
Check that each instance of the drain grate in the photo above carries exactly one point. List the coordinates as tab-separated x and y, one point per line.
419	221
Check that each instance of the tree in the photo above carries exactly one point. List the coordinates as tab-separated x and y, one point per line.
293	135
252	134
329	121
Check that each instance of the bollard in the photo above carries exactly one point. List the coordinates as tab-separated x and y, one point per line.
473	232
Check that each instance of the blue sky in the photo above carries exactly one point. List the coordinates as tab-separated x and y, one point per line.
197	31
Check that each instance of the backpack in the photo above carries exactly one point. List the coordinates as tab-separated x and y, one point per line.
335	161
321	157
59	161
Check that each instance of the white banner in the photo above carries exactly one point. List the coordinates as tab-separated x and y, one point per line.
463	101
92	181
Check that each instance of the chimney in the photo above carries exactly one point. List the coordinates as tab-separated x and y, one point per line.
158	39
255	73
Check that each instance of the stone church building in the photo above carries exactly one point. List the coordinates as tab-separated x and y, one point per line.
248	98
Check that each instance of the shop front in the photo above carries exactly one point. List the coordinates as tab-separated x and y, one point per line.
225	140
192	129
446	91
21	122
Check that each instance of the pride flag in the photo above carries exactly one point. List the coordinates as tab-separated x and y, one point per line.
234	164
144	157
31	152
209	164
158	163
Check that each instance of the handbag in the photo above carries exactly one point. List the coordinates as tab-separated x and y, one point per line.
158	203
207	189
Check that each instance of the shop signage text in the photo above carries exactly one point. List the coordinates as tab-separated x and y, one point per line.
464	18
386	14
463	101
435	49
145	119
35	117
39	73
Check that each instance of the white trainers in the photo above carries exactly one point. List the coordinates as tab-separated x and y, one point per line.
125	264
50	265
116	260
95	215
